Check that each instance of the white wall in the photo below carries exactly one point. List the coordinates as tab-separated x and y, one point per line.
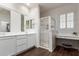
65	9
35	14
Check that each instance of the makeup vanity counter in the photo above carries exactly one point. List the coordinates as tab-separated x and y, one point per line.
68	36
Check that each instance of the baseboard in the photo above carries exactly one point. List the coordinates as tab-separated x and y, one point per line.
45	48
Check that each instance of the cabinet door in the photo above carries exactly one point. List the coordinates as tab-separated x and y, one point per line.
21	48
31	41
7	46
21	43
32	38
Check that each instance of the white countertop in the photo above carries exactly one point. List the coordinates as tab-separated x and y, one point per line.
3	34
68	36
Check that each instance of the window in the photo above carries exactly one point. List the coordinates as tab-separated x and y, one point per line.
67	20
62	21
70	20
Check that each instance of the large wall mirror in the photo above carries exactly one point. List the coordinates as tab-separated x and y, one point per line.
4	20
22	23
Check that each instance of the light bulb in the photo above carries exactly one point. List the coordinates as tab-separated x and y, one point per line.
28	4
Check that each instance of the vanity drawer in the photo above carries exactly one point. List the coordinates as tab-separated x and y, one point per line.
21	37
7	37
21	48
21	42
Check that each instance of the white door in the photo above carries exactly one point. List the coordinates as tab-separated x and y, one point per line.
31	40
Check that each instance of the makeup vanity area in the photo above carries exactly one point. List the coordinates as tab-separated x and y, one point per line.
68	40
68	36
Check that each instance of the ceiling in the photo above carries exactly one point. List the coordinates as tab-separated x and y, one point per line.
44	6
47	6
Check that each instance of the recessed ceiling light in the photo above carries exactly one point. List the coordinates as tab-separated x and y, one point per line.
28	4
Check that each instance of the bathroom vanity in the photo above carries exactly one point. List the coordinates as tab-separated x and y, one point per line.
16	43
17	32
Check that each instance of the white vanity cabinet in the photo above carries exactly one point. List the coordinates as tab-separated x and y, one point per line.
21	43
25	42
7	46
31	40
14	44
